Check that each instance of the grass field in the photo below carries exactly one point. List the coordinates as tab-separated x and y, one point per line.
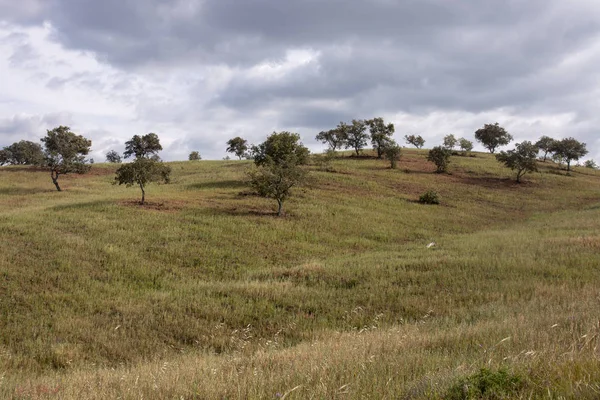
204	293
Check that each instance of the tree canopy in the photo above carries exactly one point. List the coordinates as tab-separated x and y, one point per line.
545	144
415	140
194	156
450	142
381	134
143	146
64	152
282	147
237	146
492	136
522	159
335	138
569	149
23	152
440	156
356	135
113	157
142	171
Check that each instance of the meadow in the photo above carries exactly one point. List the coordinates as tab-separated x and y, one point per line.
203	293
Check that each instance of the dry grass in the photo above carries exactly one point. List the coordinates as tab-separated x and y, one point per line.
205	294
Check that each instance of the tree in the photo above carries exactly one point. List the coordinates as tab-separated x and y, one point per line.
142	172
278	166
381	134
113	157
194	156
416	141
569	149
522	159
450	141
64	152
142	146
357	137
590	164
545	144
279	148
465	145
492	136
440	156
335	138
393	152
237	146
23	152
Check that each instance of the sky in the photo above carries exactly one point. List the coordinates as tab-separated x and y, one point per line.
200	72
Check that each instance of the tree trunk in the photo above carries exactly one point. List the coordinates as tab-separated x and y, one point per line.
54	176
357	152
143	194
280	207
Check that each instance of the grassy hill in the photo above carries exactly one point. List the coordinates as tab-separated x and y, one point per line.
204	293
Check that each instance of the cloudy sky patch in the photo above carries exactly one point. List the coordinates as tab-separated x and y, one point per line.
200	72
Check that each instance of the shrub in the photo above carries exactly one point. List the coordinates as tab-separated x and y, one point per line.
440	157
429	197
486	384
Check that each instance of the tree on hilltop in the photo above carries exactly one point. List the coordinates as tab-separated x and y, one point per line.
381	134
415	140
113	157
143	146
357	137
545	144
64	153
237	146
569	149
493	136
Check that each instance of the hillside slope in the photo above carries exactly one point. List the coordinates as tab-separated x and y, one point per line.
204	293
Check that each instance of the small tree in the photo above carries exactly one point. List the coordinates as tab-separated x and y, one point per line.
334	138
143	146
64	152
393	152
381	134
450	142
278	166
590	164
4	156
569	149
465	145
440	156
415	140
545	144
142	172
357	137
113	157
237	146
492	136
194	156
522	159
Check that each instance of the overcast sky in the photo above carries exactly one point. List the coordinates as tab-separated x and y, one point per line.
199	72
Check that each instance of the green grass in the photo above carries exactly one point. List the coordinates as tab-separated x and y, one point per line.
204	293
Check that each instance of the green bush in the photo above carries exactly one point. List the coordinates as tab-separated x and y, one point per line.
429	197
486	384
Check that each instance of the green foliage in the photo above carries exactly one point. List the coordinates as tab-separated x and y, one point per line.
393	152
492	136
281	148
142	172
440	156
23	152
465	145
278	166
522	159
335	138
237	146
142	146
568	149
415	140
65	153
429	197
590	164
194	156
450	142
545	144
356	135
113	157
487	385
381	134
